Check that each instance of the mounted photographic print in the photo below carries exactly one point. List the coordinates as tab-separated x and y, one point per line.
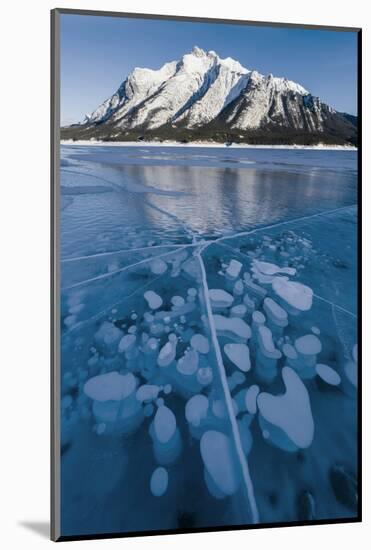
205	274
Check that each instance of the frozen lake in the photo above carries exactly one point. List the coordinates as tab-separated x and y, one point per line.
172	193
209	303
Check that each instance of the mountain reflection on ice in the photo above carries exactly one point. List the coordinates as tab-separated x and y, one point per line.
209	329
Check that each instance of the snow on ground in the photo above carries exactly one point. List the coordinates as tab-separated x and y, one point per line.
211	144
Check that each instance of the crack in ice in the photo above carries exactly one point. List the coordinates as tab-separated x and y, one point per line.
123	250
123	269
228	398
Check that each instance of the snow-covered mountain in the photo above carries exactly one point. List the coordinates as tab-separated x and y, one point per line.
203	96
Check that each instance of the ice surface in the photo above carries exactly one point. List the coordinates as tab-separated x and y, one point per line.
118	245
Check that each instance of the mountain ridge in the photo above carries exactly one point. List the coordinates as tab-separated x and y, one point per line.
205	97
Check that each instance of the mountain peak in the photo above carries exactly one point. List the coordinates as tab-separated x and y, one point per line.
207	93
198	52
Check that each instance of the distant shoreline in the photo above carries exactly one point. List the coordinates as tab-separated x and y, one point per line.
319	147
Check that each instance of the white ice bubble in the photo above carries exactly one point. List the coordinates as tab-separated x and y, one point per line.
238	288
158	266
101	428
308	344
267	268
238	377
251	397
217	455
239	354
110	386
154	300
295	294
159	482
196	409
220	298
204	376
164	424
219	408
188	363
249	303
289	351
258	318
200	343
233	269
167	354
74	310
108	334
127	342
275	312
291	412
238	311
328	374
266	343
234	325
177	301
147	392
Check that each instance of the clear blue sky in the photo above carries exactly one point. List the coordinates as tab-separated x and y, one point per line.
97	53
